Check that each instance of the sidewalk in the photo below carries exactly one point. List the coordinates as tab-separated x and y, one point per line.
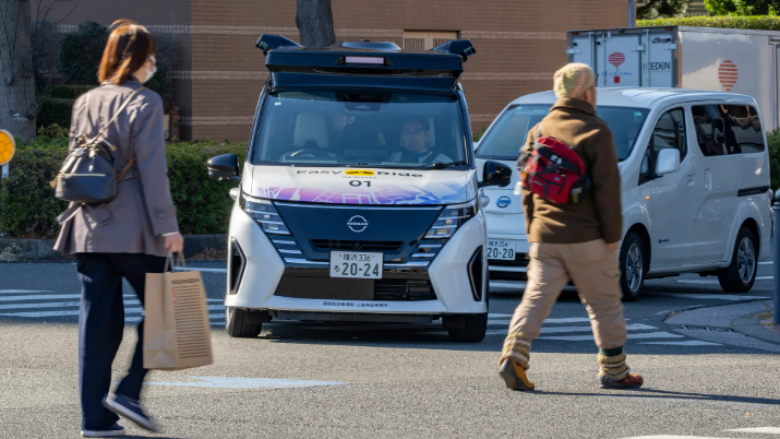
747	324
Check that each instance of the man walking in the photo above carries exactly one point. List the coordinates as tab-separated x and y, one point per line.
574	241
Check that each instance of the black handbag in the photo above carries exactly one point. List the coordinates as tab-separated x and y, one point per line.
88	175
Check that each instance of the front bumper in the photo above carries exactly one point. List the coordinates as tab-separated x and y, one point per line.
269	282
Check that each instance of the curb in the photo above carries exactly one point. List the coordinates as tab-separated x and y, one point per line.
748	325
41	250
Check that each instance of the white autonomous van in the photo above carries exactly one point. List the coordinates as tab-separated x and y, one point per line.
358	197
695	185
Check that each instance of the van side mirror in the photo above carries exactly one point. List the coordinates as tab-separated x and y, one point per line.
496	174
223	167
668	162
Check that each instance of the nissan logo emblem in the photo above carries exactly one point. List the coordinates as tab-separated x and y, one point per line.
357	224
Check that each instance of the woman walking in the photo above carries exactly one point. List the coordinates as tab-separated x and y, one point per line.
126	237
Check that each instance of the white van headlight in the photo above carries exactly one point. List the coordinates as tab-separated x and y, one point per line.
451	218
265	214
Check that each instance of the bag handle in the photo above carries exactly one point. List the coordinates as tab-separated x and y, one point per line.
171	261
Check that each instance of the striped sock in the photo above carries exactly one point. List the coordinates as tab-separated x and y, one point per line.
613	363
517	347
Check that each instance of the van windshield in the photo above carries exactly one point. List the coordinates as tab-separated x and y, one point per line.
398	130
510	132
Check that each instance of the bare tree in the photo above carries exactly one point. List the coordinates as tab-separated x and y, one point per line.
315	23
18	107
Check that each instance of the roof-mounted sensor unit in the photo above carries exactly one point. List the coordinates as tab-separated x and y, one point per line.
463	48
269	42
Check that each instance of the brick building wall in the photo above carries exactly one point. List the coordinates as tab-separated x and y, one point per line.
219	75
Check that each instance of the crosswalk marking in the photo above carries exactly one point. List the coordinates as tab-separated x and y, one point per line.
561	329
589	337
766	430
562	320
734	297
24	291
683	343
667	436
715	282
41	314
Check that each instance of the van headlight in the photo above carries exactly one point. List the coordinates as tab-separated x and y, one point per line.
265	214
451	218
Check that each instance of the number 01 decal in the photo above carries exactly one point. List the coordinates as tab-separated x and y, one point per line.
358	183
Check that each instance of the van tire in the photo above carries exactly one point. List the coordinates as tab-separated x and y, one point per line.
466	328
633	267
740	275
238	323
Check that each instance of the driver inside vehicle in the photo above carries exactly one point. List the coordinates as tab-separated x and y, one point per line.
414	139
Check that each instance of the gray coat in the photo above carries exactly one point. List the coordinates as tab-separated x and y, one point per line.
143	209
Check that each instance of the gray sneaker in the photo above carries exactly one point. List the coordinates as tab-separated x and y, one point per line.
115	430
130	409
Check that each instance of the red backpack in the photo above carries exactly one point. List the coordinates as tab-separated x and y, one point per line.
553	171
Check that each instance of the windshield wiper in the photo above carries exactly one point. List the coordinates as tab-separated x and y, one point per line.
442	165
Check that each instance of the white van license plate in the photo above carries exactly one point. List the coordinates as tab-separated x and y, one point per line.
356	265
502	250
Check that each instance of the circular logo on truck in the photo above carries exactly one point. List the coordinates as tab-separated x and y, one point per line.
503	202
357	224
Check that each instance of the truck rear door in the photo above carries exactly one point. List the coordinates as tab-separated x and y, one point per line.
636	58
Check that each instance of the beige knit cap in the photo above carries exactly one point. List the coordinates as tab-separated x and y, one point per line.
572	80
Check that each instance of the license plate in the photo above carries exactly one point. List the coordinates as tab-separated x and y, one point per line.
356	265
502	250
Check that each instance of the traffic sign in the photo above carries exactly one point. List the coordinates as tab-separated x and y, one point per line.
7	147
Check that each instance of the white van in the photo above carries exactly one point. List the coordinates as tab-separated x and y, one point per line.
358	196
695	182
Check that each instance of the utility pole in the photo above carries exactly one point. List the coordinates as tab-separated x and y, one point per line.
631	13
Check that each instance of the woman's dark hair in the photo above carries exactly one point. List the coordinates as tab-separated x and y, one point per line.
128	48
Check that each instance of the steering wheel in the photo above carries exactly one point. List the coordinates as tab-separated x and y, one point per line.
310	151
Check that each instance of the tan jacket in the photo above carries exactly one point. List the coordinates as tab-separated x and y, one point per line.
599	213
143	209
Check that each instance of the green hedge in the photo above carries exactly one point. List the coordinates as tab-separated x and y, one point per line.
761	22
54	110
30	208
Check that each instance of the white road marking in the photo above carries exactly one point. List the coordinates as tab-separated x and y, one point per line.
714	282
42	314
246	383
45	297
206	270
561	329
589	337
552	321
683	343
24	291
767	430
668	436
766	263
509	284
734	297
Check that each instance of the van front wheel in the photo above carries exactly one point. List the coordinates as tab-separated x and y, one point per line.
740	275
633	263
466	327
239	324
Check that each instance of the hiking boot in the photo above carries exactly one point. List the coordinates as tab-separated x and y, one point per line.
630	381
514	376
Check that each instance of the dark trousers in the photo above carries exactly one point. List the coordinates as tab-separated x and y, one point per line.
101	326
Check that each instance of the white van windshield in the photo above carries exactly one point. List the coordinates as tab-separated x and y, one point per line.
398	130
510	132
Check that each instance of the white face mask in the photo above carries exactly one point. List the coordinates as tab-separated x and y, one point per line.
150	73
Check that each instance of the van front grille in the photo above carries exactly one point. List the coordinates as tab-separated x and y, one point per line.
329	244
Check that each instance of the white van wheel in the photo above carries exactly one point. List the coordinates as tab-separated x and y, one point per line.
740	275
466	327
632	267
238	323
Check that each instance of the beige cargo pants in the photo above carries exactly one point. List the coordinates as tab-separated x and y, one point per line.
594	271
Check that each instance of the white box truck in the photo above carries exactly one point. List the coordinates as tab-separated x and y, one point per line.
734	60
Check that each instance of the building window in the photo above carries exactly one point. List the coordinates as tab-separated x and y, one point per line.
418	40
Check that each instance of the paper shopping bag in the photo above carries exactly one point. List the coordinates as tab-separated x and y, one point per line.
176	323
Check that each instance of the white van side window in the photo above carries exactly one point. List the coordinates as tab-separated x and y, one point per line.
669	132
728	129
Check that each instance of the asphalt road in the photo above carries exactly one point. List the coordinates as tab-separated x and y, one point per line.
351	381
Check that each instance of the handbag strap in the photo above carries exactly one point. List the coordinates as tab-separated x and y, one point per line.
116	115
